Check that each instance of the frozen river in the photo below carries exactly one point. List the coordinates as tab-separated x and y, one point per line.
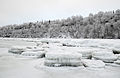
13	66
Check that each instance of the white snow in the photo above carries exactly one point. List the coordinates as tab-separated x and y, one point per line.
118	56
117	62
93	63
15	66
107	57
63	58
37	54
17	49
64	55
35	49
87	51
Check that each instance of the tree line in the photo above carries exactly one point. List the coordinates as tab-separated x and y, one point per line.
104	25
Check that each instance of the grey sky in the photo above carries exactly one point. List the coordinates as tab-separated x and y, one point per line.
20	11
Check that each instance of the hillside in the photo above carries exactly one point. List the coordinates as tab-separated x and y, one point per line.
101	25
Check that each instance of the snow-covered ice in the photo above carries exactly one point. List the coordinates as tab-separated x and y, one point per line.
15	66
93	63
107	57
63	59
117	62
38	54
118	56
17	49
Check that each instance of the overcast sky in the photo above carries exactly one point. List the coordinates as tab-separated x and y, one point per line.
21	11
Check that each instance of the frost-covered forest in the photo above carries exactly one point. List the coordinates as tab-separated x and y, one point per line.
101	25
